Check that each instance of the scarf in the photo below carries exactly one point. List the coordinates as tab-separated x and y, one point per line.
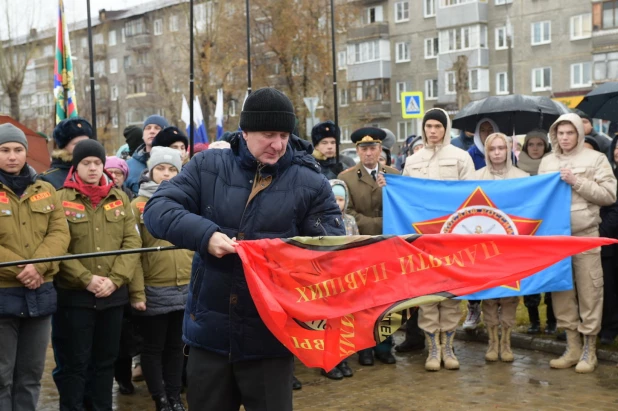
147	189
18	183
527	164
95	193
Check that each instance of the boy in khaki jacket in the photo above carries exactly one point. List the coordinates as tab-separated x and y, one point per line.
590	175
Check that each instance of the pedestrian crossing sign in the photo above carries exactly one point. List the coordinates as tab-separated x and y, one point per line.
412	104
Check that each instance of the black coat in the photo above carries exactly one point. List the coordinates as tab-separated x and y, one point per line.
57	174
211	194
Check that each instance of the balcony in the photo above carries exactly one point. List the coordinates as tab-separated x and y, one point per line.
605	40
139	41
44	61
369	31
372	110
369	70
142	70
461	15
99	51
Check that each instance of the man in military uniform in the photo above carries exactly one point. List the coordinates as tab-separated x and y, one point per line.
67	134
365	205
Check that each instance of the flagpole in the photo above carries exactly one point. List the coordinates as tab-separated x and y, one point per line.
92	94
191	81
332	35
248	48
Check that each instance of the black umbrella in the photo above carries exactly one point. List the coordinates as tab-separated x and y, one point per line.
602	102
513	114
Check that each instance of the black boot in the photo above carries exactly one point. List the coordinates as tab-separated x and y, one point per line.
550	328
122	374
415	339
365	357
296	385
176	403
334	374
535	322
345	369
162	404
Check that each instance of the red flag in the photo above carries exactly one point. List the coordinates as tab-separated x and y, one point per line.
327	298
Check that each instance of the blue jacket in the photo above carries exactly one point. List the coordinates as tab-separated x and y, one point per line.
137	164
211	194
477	157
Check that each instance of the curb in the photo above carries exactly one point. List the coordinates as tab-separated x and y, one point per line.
530	342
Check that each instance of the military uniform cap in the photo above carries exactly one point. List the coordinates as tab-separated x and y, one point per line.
368	136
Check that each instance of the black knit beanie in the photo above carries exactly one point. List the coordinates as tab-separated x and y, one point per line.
133	137
437	115
169	136
267	109
582	114
87	148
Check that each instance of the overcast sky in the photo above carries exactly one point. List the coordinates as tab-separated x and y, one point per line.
42	13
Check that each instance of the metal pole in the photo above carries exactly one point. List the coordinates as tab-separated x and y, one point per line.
87	255
336	105
248	47
191	82
93	104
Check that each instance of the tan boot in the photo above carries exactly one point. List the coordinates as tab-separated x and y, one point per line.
433	346
572	353
588	361
448	355
494	343
506	355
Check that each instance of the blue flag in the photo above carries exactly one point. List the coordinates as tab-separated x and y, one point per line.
539	205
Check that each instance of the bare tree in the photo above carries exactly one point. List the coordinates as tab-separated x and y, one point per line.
15	53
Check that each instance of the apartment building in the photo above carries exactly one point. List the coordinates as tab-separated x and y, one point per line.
414	45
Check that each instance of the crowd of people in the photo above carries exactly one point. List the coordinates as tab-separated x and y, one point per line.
186	317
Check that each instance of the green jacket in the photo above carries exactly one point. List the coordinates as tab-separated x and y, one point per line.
32	226
109	227
158	269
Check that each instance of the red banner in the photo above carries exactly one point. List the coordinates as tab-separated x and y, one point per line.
328	298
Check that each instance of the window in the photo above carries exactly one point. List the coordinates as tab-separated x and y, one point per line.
143	58
463	38
541	33
114	93
402	52
297	66
127	62
581	75
373	15
369	90
115	121
610	14
541	79
231	111
342	60
475	80
101	120
123	37
401	87
98	39
203	15
605	66
431	89
48	50
173	23
429	8
447	3
502	83
84	42
134	27
581	26
432	48
450	82
113	66
345	134
404	129
99	67
402	11
502	2
343	97
111	38
501	43
158	27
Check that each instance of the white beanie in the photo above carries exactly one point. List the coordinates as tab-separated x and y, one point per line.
164	155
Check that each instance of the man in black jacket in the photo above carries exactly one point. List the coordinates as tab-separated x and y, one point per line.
325	138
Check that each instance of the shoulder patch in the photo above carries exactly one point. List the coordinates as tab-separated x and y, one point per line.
140	206
49	171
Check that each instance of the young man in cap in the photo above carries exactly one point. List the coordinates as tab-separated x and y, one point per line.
365	205
439	160
325	138
32	225
138	160
267	185
66	135
172	137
